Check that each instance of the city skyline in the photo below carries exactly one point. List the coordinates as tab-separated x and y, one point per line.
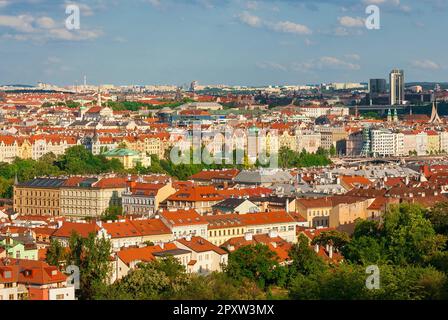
232	42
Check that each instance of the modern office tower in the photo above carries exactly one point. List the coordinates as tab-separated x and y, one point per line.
396	82
377	86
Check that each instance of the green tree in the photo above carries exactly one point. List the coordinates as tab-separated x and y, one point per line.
219	286
92	256
160	279
438	216
257	263
333	237
410	237
304	260
112	213
56	254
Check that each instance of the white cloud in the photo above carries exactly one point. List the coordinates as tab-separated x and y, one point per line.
281	26
79	35
326	62
252	5
41	29
250	20
45	22
353	56
4	3
290	27
22	23
351	22
336	63
425	64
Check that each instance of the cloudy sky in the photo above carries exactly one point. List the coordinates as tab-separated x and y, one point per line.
245	42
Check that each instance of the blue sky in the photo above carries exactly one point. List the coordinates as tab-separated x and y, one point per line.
240	42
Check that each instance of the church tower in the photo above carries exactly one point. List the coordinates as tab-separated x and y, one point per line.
395	115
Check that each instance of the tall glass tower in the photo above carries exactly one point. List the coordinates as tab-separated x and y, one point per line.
396	82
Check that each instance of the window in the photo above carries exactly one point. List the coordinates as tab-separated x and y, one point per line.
59	297
11	297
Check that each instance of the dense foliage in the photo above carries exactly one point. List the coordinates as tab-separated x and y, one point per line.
91	255
410	255
76	160
292	159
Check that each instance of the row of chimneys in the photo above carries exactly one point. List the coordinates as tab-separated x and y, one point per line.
328	249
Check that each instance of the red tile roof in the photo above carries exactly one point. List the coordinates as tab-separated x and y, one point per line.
198	244
83	229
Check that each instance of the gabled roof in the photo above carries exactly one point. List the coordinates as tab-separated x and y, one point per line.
209	175
196	193
150	227
198	244
121	229
183	218
29	272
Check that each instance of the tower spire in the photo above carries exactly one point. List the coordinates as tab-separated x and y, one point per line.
100	102
434	114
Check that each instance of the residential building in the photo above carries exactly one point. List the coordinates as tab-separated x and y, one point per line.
145	198
33	280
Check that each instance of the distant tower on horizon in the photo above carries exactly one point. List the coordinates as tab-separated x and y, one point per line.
100	102
193	86
389	115
85	81
396	83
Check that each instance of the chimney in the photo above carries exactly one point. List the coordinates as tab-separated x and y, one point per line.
99	223
60	224
316	248
330	252
248	236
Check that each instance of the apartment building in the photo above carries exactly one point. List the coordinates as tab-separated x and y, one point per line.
200	198
205	257
332	136
183	223
90	197
308	140
33	280
224	227
39	196
347	209
144	198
